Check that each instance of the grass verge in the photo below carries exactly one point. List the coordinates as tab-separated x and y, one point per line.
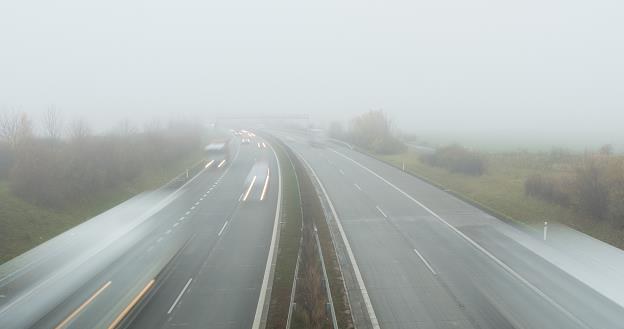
500	192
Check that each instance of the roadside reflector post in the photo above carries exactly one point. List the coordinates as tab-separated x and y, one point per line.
403	165
186	173
545	230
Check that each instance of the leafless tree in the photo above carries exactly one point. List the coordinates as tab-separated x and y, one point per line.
126	128
9	127
15	128
52	123
79	130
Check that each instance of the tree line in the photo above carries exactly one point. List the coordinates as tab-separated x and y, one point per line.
63	162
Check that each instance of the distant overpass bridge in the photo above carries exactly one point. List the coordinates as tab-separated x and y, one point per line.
263	118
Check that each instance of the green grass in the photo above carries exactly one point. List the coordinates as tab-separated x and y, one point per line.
288	248
501	191
24	225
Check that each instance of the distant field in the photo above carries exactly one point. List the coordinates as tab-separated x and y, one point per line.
502	190
24	225
496	141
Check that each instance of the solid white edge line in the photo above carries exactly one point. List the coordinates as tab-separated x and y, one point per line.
266	184
267	269
358	275
381	211
253	181
223	228
175	302
474	244
426	262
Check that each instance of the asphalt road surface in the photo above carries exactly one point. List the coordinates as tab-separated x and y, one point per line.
430	260
192	256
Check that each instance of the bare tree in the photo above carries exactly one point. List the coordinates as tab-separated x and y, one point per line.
9	127
126	128
15	128
79	130
52	123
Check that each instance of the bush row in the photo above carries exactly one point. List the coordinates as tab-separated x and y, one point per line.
456	158
58	172
595	187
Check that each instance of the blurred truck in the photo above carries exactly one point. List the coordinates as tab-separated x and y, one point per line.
218	153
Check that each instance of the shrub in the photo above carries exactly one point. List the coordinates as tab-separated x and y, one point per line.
549	189
57	174
592	190
6	159
373	131
456	158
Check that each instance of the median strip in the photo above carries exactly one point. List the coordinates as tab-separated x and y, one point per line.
308	290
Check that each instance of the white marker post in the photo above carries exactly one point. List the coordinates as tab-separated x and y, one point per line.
545	230
403	165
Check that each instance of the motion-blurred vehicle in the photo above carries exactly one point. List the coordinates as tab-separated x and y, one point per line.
316	137
218	153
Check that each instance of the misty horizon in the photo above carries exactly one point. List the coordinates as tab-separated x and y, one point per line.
522	73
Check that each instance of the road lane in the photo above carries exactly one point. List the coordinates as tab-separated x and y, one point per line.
166	232
47	294
487	295
218	278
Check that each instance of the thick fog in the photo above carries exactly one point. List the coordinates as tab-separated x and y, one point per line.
536	70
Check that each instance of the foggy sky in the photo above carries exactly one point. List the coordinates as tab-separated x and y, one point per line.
497	68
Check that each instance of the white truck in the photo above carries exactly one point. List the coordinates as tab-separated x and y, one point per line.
218	153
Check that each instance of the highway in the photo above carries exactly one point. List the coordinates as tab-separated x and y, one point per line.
424	259
196	254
